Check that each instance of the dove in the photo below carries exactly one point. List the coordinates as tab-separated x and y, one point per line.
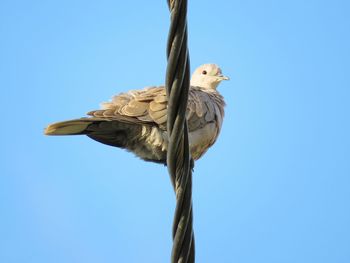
137	120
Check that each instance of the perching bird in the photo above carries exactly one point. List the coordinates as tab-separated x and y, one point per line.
136	120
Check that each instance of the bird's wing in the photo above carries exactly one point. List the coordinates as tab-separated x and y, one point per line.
149	106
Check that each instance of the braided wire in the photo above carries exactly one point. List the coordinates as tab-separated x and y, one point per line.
179	160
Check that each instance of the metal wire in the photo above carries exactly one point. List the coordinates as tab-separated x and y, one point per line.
179	160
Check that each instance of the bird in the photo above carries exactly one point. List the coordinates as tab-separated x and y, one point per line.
137	120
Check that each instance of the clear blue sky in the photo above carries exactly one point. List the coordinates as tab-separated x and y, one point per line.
275	188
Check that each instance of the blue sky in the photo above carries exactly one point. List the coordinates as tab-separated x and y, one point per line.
275	186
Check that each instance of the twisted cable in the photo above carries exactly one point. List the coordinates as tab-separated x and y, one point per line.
179	160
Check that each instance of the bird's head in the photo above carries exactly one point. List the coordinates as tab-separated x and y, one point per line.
207	76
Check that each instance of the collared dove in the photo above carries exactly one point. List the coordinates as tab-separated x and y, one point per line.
136	120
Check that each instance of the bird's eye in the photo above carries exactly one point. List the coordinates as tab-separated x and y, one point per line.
204	72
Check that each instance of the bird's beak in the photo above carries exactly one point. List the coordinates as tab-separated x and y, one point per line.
222	77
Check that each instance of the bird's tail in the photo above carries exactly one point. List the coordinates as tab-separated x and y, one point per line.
72	127
114	133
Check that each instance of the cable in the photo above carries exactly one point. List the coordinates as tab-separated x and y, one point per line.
179	161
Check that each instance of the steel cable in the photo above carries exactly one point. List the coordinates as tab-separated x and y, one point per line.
179	160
